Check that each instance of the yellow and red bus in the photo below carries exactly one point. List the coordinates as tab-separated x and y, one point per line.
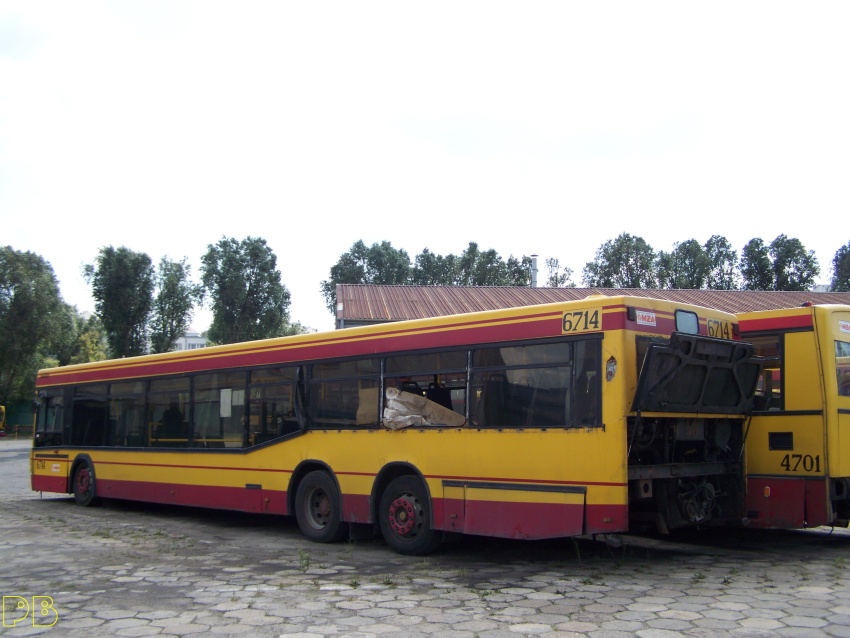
586	417
798	446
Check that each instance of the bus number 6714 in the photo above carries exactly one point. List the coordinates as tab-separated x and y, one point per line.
719	329
581	321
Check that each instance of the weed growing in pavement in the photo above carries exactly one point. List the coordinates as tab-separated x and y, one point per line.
303	560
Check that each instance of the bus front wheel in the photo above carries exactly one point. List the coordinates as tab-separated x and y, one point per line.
405	517
85	493
318	508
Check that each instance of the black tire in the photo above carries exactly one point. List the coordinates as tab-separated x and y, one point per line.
84	485
318	508
405	517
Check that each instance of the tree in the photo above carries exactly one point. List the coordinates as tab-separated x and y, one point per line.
556	278
64	341
519	271
756	268
376	264
722	264
122	284
248	299
386	265
685	268
73	339
382	264
625	262
91	340
30	308
841	270
473	267
173	304
433	270
794	268
784	265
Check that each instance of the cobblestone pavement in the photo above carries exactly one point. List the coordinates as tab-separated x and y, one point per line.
139	570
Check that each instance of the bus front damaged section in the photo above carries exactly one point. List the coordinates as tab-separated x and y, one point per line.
686	433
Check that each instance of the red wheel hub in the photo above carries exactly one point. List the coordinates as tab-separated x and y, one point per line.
402	516
83	480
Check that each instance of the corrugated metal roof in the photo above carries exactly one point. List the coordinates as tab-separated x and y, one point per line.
362	303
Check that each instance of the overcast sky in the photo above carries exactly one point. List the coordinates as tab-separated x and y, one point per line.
528	127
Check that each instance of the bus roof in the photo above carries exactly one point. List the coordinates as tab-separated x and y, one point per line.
492	326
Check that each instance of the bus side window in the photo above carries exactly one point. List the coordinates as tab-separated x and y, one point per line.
587	384
50	429
842	367
530	385
272	404
90	414
345	394
768	395
495	400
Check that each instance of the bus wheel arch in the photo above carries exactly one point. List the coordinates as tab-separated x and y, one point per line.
83	481
317	504
405	511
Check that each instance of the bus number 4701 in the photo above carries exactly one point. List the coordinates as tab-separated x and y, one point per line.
793	463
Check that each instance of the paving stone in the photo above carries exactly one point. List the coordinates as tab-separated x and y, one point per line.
131	570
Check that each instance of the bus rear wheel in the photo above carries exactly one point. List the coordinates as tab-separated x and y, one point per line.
405	517
85	493
318	508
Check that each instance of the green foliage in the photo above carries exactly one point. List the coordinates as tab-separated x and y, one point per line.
518	271
794	268
841	270
556	278
31	310
122	284
383	264
73	339
756	269
172	306
625	262
375	264
433	270
685	268
91	341
296	328
248	299
63	342
722	264
487	268
784	265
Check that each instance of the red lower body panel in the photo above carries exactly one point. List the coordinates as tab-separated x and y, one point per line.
245	499
42	483
787	503
504	519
